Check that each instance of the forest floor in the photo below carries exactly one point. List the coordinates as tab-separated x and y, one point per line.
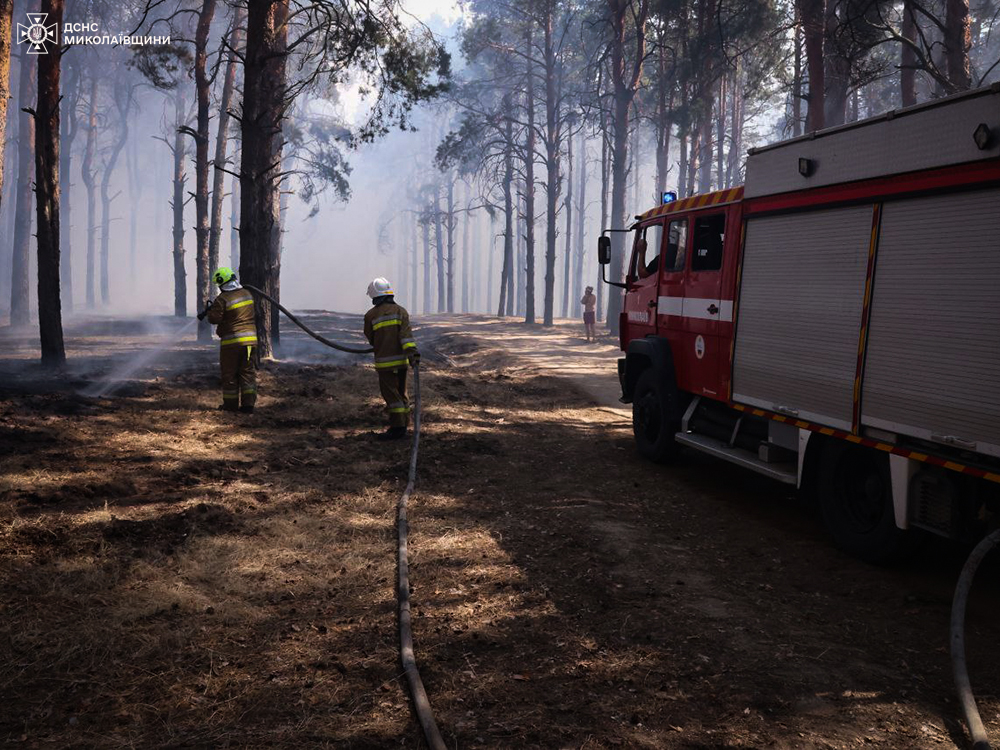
174	576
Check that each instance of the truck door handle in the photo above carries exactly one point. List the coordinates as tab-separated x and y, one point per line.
651	303
712	309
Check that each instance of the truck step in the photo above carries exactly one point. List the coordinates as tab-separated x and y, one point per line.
786	473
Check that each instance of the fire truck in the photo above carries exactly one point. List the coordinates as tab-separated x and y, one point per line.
834	324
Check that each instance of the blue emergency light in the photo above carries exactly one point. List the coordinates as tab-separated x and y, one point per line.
669	196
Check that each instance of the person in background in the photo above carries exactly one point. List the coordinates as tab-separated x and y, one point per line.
232	311
589	303
387	328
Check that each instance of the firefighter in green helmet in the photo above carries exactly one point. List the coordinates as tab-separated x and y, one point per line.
233	314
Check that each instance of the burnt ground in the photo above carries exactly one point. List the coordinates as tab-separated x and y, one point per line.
174	576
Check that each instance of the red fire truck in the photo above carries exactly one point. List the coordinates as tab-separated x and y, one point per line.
835	322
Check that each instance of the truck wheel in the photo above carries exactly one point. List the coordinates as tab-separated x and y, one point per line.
856	503
654	416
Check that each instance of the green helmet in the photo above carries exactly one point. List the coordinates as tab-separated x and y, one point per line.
223	275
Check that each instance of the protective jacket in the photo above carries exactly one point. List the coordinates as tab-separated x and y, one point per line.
232	312
387	328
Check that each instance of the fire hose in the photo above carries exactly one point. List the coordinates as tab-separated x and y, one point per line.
421	704
959	669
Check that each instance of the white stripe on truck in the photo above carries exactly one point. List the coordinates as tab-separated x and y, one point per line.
695	307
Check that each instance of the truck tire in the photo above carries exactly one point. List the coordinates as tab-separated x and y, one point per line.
655	417
855	496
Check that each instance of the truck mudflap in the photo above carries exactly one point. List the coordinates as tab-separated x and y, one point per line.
626	397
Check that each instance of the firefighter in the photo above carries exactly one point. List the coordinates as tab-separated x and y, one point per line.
233	313
387	328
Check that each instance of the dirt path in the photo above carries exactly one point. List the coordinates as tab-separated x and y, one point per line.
173	576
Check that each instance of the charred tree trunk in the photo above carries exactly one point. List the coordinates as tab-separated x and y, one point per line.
626	81
663	116
568	207
47	189
135	190
957	42
264	88
812	14
221	144
907	57
177	204
201	85
20	314
89	174
526	289
682	165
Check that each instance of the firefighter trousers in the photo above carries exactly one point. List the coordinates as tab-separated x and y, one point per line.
392	384
239	375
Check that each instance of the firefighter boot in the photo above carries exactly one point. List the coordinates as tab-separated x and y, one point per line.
393	433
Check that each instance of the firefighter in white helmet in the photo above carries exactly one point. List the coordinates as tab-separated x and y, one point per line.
387	328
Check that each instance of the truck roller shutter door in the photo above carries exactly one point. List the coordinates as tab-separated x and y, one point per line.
933	364
800	306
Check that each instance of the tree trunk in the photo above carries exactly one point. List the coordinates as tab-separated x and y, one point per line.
89	174
465	251
506	290
425	225
234	224
442	287
6	14
682	165
477	260
663	116
581	218
907	58
177	204
489	267
221	144
451	242
264	88
797	74
135	190
526	289
568	207
414	264
201	85
836	72
812	14
518	279
553	178
123	101
957	42
20	314
47	189
605	191
626	84
720	135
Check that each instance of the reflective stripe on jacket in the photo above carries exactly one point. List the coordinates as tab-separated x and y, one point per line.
233	313
387	328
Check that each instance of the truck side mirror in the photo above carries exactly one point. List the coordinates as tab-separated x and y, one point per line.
603	250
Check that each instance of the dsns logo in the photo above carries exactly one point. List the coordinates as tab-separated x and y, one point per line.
37	34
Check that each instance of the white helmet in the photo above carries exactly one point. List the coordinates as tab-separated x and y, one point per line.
379	287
